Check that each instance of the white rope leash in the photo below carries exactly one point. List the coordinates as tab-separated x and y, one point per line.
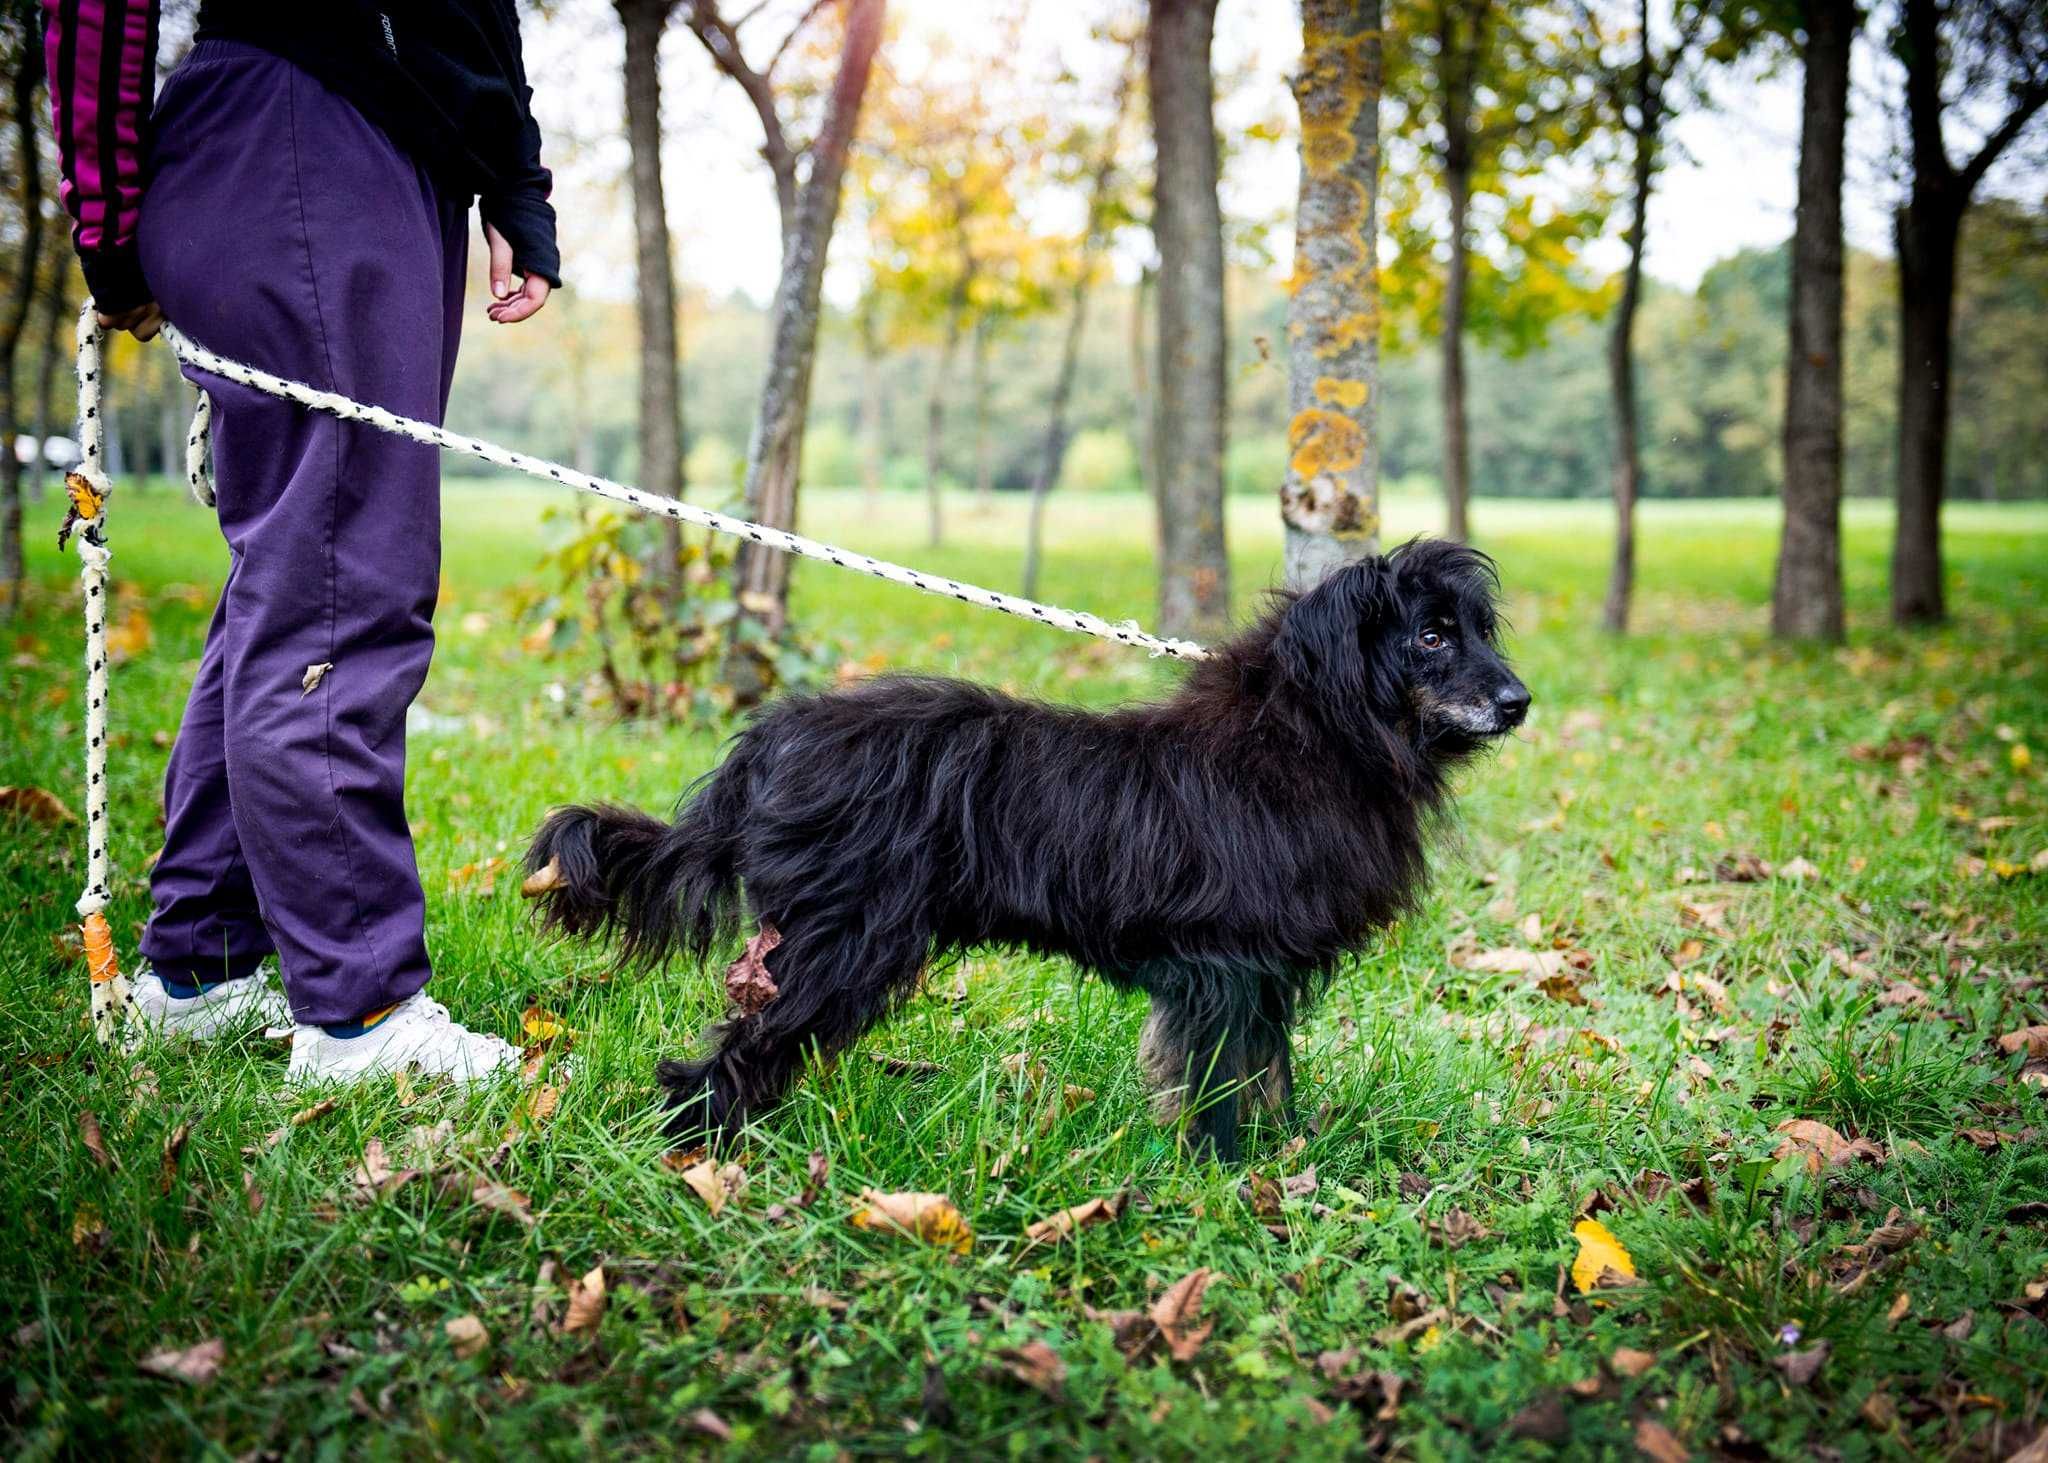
88	487
194	354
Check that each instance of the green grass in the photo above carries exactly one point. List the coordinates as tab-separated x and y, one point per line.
1430	1087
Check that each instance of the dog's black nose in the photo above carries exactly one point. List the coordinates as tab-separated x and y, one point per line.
1513	701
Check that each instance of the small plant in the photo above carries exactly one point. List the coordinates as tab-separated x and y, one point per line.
665	645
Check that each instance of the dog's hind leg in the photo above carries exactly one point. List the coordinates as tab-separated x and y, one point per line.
1269	1057
833	981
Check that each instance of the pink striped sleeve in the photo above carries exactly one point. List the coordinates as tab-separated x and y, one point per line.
101	56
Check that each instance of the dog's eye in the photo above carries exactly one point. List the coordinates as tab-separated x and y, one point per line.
1430	640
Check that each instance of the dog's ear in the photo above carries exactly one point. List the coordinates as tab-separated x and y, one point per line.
1332	640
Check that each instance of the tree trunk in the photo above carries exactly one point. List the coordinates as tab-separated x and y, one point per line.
661	410
58	348
1458	62
984	465
774	454
27	73
1054	454
1144	411
1329	499
1926	235
1194	579
935	426
871	409
1806	599
1621	346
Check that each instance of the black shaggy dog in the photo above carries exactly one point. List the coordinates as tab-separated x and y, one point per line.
1218	850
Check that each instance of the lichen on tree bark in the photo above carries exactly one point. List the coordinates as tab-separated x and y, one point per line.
1329	498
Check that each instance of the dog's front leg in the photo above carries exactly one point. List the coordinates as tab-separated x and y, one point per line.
1196	1070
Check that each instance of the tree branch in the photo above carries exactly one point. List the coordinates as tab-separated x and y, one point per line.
2030	101
721	40
796	30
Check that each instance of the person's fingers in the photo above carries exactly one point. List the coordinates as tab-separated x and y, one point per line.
533	293
144	320
501	263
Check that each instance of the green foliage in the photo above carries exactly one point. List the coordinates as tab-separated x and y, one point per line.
715	469
1099	460
660	648
1429	1089
831	457
1254	465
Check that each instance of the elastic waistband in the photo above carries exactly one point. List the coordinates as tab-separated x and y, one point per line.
213	48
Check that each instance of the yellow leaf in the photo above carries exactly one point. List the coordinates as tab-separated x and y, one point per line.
1601	1258
929	1217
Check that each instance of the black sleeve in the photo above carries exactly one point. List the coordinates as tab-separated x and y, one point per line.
517	206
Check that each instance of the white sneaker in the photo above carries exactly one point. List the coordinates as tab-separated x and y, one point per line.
231	1008
417	1033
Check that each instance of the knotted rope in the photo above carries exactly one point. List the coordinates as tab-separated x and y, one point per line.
89	489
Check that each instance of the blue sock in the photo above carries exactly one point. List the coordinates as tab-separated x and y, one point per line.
368	1021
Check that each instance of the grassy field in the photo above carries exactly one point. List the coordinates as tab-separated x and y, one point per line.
1395	1276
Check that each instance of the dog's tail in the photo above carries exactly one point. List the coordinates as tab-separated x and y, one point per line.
658	889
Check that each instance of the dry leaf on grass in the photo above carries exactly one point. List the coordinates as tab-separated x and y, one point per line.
1538	964
499	1198
1603	1263
195	1365
716	1185
1455	1228
748	985
1542	1421
928	1217
1079	1216
467	1335
88	1229
95	1141
1799	1368
1821	1146
375	1178
1628	1362
1659	1444
709	1423
1175	1311
1741	868
2033	1040
174	1149
1801	869
1037	1366
1563	987
586	1302
38	805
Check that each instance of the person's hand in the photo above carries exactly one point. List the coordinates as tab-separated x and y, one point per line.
144	321
510	304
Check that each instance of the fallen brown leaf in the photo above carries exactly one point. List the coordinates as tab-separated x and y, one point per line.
1036	1365
709	1423
95	1141
748	984
466	1334
2033	1040
1175	1311
1542	1421
174	1149
1658	1443
1799	1368
586	1302
38	805
375	1178
195	1365
1079	1216
1455	1229
1741	868
929	1217
1821	1146
1628	1362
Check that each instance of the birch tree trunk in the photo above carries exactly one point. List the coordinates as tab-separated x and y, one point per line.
870	406
661	412
1194	577
1806	597
1329	499
1621	348
1144	410
28	72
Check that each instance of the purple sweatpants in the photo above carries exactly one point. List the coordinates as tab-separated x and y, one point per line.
279	227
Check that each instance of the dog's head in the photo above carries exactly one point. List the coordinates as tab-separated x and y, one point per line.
1407	640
